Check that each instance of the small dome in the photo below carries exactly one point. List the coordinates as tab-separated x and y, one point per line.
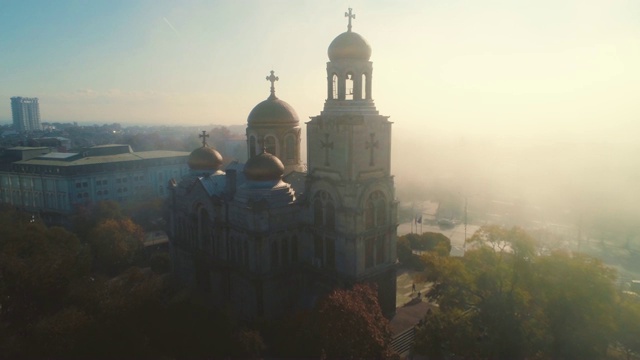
349	45
264	167
205	158
272	111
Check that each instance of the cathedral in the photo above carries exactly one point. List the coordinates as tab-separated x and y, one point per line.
271	236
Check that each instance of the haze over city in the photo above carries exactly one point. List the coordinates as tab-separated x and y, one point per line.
440	179
533	98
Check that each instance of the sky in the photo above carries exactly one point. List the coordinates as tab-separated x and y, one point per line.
514	68
529	99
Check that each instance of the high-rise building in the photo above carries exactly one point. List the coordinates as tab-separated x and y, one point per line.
26	113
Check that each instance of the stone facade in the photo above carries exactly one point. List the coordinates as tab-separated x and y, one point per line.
264	238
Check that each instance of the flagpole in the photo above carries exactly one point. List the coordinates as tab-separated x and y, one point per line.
411	222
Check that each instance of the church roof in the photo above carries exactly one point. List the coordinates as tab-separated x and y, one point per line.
273	111
297	180
214	184
205	158
349	46
264	167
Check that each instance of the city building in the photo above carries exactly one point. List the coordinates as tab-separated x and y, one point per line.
26	113
267	237
54	184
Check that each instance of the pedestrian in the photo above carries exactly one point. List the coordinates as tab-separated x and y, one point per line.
413	288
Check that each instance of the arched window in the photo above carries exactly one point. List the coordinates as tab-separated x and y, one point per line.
290	147
349	87
318	213
334	87
375	215
381	212
270	145
325	219
252	146
330	215
369	215
375	210
324	211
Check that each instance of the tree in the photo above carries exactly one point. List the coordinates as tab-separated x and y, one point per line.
628	321
408	258
578	297
85	219
429	242
509	302
350	324
115	244
37	264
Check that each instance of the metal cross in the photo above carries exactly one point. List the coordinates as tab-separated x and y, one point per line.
370	145
326	145
273	79
204	137
350	16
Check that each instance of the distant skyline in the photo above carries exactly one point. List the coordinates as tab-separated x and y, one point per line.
495	68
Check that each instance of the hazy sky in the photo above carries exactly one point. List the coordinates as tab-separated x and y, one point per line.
512	68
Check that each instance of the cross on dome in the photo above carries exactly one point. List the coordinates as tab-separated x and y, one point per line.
350	16
272	78
204	137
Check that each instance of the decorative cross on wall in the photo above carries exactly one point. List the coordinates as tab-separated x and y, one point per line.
350	16
326	145
370	145
204	137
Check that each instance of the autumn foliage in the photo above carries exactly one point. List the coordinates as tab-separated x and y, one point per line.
350	324
506	300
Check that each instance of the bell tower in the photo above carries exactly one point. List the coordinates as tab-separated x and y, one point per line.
350	191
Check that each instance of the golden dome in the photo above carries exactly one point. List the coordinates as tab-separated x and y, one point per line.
205	158
264	167
351	46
